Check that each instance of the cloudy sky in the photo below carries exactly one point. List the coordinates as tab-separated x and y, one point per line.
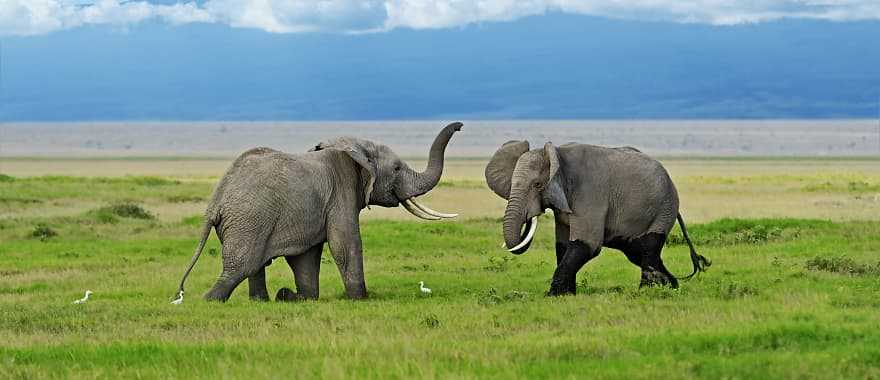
28	17
353	59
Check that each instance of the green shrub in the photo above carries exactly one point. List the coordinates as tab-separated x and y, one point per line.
6	178
431	321
843	265
43	232
491	297
112	213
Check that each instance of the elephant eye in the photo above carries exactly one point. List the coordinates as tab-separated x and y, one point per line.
397	168
538	185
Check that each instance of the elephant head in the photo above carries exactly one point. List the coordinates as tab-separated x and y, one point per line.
531	181
387	180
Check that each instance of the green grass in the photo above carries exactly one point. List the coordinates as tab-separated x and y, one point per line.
108	189
784	298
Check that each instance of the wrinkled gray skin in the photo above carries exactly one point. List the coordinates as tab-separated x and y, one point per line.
271	204
614	197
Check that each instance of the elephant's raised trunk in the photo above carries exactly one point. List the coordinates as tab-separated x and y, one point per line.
426	180
516	239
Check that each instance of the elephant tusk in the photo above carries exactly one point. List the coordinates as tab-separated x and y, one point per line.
431	212
531	234
408	205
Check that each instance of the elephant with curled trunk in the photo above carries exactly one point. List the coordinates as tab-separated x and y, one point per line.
614	197
271	204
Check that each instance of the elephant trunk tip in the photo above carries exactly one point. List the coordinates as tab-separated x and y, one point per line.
426	180
517	242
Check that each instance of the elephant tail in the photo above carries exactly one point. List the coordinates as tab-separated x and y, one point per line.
206	231
700	262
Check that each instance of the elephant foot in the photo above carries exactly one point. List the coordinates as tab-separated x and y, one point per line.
287	295
562	289
656	278
259	297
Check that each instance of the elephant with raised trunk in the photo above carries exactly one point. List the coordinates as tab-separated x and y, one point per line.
614	197
271	204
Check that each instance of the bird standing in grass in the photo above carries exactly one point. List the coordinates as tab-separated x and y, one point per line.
84	299
179	299
423	288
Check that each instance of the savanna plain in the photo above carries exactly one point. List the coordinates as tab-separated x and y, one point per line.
793	290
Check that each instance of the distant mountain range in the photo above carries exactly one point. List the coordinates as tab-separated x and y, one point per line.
548	67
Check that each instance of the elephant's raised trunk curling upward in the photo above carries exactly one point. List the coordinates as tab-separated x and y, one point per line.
415	183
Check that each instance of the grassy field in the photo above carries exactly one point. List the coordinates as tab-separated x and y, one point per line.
794	290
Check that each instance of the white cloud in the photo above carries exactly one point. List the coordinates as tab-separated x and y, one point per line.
29	17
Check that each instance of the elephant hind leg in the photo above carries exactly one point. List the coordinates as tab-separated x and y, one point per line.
654	272
241	259
224	286
630	249
306	269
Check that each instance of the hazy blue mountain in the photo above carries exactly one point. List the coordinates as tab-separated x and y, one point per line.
552	67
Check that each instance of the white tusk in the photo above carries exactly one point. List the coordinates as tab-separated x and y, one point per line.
529	236
431	212
407	204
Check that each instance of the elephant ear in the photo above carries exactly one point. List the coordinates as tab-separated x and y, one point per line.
359	153
500	168
554	191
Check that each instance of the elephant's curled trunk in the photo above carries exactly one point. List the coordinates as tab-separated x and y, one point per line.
426	180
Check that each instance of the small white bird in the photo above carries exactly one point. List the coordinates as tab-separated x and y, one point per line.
423	288
179	299
84	299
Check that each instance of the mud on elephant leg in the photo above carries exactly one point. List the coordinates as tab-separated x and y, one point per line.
257	285
562	235
561	248
565	277
287	295
654	272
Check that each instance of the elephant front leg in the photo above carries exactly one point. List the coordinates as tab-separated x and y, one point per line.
565	277
345	246
561	238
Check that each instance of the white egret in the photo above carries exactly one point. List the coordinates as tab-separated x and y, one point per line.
423	288
84	299
179	299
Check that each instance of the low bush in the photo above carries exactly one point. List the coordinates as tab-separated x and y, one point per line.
110	214
729	231
842	265
43	232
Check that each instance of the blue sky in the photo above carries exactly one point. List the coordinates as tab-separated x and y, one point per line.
403	59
